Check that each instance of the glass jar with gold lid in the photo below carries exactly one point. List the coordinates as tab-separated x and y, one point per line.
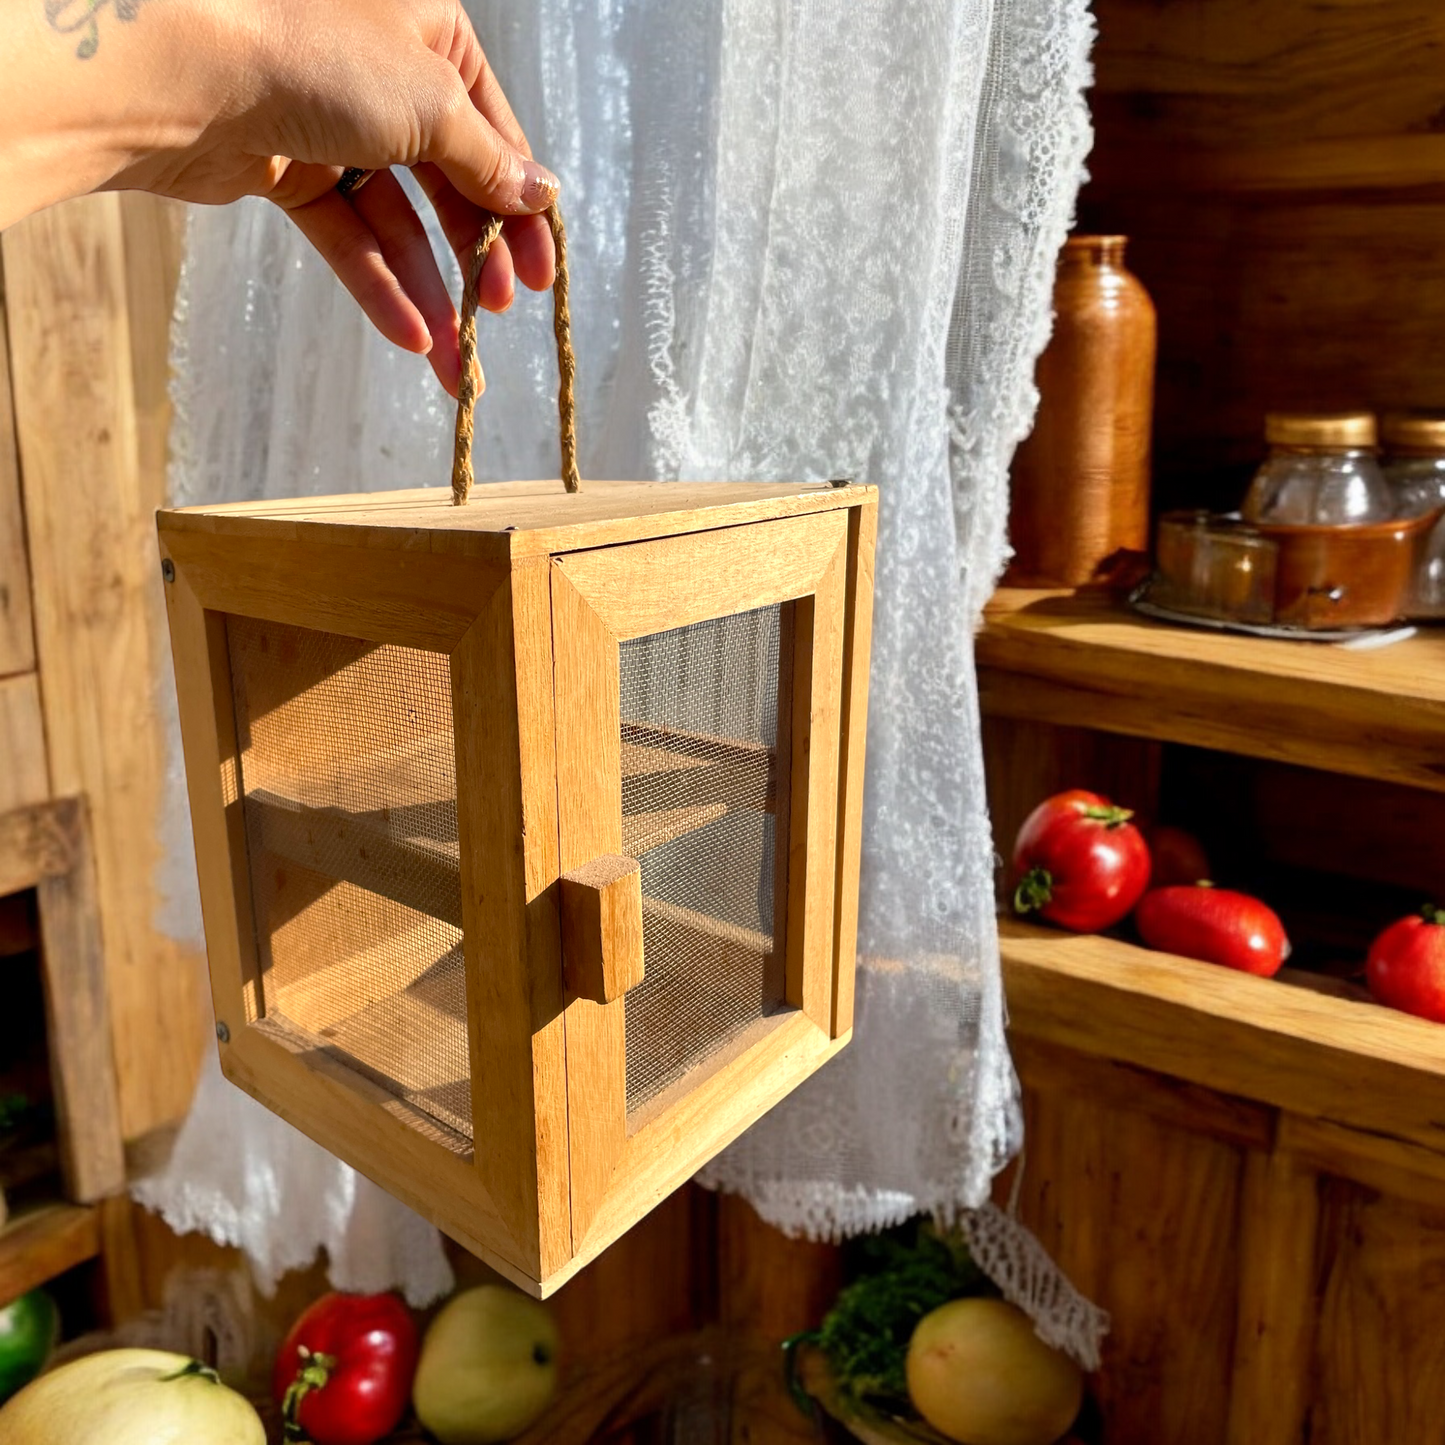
1322	469
1415	461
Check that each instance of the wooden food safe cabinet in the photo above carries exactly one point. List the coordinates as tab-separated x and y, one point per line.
432	753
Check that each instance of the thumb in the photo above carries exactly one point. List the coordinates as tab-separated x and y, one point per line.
487	169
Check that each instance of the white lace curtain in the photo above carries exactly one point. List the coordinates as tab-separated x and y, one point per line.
809	239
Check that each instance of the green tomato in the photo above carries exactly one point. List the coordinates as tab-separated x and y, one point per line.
29	1328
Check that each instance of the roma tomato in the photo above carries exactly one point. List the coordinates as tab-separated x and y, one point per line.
1406	966
344	1373
1176	856
1079	862
1215	925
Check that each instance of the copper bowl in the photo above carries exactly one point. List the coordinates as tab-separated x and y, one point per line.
1352	575
1308	577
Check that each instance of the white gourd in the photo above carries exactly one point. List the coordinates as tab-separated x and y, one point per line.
130	1397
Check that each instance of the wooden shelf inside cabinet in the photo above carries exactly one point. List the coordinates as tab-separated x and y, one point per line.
1084	660
1294	1045
673	783
39	1244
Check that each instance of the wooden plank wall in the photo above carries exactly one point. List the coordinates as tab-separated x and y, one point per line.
88	289
1281	171
25	777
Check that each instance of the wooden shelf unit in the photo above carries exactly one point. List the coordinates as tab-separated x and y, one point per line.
39	1244
47	847
1248	1173
673	783
1084	660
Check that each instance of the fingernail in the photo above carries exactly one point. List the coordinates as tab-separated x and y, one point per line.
539	187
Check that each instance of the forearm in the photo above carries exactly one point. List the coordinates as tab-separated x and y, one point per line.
93	86
211	100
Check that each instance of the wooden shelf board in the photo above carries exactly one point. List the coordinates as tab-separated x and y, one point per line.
39	1244
1331	166
1289	1046
409	854
1084	660
417	872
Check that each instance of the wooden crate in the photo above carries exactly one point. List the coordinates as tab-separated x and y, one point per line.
527	831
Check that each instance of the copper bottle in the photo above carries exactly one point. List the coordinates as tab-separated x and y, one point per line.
1080	489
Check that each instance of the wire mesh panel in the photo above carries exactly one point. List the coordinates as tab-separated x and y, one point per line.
700	783
348	776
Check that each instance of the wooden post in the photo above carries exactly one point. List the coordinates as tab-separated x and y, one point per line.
91	478
1279	1216
17	633
48	848
77	1013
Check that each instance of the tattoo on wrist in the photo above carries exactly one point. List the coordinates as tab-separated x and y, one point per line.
78	17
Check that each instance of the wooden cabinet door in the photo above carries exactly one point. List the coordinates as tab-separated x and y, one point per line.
698	684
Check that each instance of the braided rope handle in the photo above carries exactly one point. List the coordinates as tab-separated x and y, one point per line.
473	382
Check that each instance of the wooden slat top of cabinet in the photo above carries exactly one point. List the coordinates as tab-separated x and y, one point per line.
518	518
1084	660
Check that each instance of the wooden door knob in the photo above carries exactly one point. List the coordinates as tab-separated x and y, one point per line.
602	928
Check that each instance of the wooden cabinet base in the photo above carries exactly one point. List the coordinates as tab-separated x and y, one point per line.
1260	1294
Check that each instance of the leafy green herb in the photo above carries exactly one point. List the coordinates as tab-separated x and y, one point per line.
904	1275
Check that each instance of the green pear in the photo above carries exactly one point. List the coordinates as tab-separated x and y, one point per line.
488	1367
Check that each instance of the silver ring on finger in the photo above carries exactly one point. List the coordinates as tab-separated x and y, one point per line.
352	180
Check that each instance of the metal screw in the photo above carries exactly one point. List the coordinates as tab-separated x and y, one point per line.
841	482
168	569
222	1032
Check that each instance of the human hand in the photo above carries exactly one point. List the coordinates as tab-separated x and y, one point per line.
229	98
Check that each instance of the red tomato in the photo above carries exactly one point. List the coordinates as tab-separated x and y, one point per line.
1177	857
1406	966
1079	862
1215	925
343	1375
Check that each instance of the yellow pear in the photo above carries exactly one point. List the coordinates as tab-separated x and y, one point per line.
978	1373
